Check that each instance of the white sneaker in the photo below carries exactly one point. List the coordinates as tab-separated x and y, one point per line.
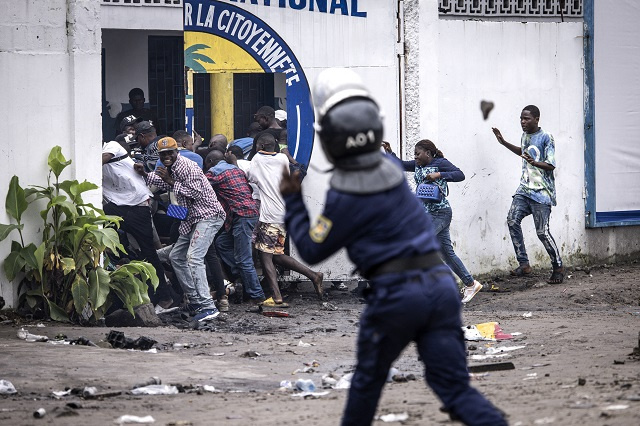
469	292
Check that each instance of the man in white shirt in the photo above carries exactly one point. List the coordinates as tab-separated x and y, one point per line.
266	172
126	194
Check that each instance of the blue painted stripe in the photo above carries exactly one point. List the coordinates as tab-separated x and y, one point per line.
589	119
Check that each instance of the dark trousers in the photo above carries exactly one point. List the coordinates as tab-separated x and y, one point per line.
136	220
420	306
522	207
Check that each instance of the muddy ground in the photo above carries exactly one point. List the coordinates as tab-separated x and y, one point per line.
575	368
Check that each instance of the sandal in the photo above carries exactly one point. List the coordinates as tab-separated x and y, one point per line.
270	303
557	276
521	271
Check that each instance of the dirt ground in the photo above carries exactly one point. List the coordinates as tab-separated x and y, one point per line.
575	367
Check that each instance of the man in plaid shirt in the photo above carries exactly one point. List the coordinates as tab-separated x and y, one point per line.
234	243
183	179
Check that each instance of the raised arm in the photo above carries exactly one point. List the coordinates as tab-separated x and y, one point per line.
515	149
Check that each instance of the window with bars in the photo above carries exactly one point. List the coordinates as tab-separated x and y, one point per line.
512	8
175	3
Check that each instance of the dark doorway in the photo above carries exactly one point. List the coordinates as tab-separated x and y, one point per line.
202	104
250	92
166	82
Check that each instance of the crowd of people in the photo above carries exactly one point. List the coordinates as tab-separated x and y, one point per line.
211	217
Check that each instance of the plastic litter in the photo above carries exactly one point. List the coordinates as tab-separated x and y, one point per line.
7	388
155	390
305	385
152	381
329	380
388	418
209	388
89	391
527	315
25	335
305	345
60	394
286	384
303	370
307	395
134	419
616	407
392	372
39	413
344	382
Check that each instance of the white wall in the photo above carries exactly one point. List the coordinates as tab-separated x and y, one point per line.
512	64
50	91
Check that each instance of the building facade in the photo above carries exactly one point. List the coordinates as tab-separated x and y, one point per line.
66	67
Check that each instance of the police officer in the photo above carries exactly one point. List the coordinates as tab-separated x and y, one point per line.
371	211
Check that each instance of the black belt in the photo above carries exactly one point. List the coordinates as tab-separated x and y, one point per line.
401	264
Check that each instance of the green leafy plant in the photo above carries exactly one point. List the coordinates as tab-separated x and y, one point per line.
63	275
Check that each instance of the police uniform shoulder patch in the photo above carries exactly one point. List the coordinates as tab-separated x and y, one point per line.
320	230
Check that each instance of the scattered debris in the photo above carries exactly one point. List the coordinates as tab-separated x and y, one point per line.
527	315
7	388
344	382
155	390
582	381
500	366
307	395
118	340
388	418
326	306
616	407
493	351
82	341
531	376
329	380
303	370
305	385
544	421
134	419
286	384
305	345
152	381
39	413
25	335
250	354
485	331
276	314
618	361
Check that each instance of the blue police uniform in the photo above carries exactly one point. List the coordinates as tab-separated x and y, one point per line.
421	305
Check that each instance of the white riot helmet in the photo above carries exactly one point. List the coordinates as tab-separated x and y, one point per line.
349	122
350	130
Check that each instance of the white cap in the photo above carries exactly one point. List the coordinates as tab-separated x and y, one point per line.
281	115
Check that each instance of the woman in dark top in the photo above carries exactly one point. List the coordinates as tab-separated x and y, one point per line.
430	166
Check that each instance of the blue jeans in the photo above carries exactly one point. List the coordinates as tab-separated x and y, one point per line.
441	220
234	248
522	207
187	259
423	307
